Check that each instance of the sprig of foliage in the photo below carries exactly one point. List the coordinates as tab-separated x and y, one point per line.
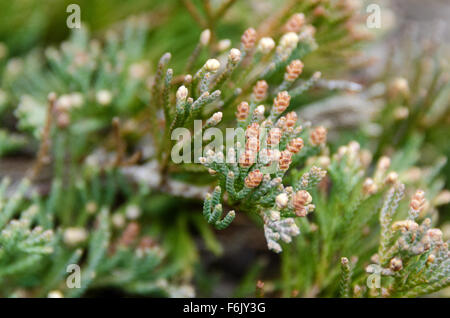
359	214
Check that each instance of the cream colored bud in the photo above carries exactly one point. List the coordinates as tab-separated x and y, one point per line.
212	65
64	103
91	207
234	56
289	40
188	79
266	45
317	75
384	163
369	186
401	113
281	200
396	264
103	97
399	86
260	110
55	294
182	93
405	225
118	220
52	96
365	156
75	235
217	117
205	36
392	177
223	44
133	212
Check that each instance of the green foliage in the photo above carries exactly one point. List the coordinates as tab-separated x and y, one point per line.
22	245
39	257
356	217
130	126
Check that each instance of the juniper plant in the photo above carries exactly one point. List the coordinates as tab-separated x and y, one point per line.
36	254
360	214
106	126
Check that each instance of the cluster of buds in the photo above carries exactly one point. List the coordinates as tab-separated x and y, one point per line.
293	70
417	204
418	239
405	226
301	202
260	91
311	178
247	159
291	120
253	179
285	160
215	119
295	145
248	39
281	102
261	190
274	136
358	160
252	145
411	240
318	136
234	56
353	155
266	45
286	46
243	110
276	229
252	173
295	23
